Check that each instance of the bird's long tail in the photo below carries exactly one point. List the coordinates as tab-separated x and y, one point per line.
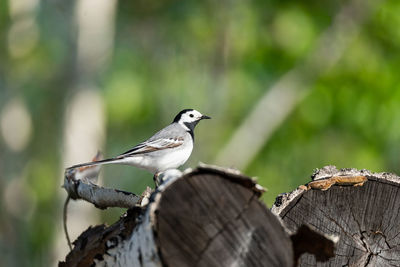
94	163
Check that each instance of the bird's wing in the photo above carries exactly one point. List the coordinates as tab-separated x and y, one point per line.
153	145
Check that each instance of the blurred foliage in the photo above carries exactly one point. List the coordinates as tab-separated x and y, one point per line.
219	57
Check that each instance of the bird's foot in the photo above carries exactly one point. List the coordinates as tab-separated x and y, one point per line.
155	179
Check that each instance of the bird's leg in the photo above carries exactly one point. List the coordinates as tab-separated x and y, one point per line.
155	178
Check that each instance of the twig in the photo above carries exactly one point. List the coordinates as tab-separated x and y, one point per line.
65	221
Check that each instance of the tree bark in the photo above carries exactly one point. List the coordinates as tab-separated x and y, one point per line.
360	207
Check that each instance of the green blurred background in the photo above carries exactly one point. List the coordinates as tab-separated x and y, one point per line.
112	73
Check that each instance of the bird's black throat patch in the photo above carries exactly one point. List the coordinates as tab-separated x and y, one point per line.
191	126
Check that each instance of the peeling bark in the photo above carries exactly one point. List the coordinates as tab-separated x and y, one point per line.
364	214
92	244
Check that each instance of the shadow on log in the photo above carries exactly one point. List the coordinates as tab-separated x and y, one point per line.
360	207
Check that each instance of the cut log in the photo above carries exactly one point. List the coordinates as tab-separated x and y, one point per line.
360	207
207	217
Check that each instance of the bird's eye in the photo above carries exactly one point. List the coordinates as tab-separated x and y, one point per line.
191	115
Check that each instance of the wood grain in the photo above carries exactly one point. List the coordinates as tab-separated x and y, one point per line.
203	220
366	219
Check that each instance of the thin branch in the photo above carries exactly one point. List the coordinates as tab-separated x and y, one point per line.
99	196
65	222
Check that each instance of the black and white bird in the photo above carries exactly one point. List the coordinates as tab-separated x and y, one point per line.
169	148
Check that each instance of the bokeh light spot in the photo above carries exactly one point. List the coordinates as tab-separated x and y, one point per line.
22	37
293	31
16	125
19	199
22	7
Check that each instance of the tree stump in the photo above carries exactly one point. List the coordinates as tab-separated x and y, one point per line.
360	207
207	217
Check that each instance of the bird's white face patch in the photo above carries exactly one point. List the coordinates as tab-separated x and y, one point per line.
190	116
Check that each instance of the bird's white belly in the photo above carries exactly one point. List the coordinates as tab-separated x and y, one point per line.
161	160
174	159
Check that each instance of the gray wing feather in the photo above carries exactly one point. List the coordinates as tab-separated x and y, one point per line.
168	137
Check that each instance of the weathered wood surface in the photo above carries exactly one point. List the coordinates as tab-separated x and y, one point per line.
364	215
207	217
218	222
79	184
96	241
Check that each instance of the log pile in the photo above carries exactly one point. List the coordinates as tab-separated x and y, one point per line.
213	217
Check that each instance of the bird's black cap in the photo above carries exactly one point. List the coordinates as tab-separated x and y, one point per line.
178	117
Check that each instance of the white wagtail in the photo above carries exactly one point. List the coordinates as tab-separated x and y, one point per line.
169	148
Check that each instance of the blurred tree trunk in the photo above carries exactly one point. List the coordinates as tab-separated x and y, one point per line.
84	122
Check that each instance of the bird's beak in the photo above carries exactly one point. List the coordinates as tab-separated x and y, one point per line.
204	117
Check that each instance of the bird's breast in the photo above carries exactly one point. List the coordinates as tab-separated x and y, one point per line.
176	157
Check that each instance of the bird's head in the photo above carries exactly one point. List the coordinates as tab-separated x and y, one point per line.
189	118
